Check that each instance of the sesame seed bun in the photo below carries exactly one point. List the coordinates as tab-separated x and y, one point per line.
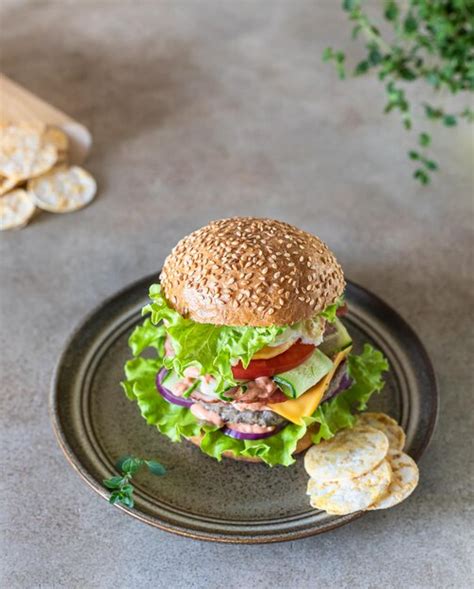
250	271
303	444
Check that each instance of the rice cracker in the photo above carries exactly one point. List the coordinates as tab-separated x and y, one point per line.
16	209
7	184
63	189
350	453
405	478
24	153
388	425
350	495
60	140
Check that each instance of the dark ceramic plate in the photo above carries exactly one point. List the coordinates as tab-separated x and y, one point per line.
199	497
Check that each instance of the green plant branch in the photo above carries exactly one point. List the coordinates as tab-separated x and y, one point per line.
434	42
122	490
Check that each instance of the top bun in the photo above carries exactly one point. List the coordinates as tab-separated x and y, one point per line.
250	271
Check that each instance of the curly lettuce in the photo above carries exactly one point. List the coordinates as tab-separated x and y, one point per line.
173	421
366	369
178	422
277	449
330	312
212	348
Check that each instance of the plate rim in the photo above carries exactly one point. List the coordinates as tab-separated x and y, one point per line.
238	538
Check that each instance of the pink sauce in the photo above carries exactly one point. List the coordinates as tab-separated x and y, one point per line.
169	351
191	372
202	397
205	415
182	386
247	428
262	387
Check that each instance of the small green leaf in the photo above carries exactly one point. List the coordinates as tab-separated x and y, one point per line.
127	501
114	497
424	139
391	10
450	120
350	5
355	31
406	73
433	79
341	71
421	175
131	464
155	467
113	482
433	113
361	68
414	155
327	54
431	165
411	24
374	57
468	114
127	489
120	461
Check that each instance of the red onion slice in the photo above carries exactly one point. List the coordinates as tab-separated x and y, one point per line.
167	394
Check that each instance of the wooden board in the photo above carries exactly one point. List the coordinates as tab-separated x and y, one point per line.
19	105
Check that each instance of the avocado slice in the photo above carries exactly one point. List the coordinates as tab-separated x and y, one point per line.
297	381
337	341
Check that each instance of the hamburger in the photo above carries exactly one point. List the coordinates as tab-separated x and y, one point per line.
243	350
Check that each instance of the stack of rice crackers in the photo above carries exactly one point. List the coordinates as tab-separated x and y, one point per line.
35	174
361	468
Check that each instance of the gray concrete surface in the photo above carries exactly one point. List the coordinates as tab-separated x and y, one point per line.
201	110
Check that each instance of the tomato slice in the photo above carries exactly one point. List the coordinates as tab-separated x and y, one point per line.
292	358
342	310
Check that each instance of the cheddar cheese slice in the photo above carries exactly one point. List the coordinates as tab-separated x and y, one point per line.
271	351
295	409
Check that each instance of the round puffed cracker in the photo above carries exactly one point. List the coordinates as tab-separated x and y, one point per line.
24	153
7	184
350	453
63	189
16	209
405	478
350	495
59	139
395	434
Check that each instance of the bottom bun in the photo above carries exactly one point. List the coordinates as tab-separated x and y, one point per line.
303	444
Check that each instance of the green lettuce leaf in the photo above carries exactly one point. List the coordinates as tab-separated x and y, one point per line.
210	347
147	335
177	422
172	420
366	369
277	449
330	311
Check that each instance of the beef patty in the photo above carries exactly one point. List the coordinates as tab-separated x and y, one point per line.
231	414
